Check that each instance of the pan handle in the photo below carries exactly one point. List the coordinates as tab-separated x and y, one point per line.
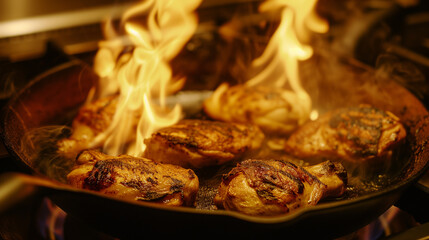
15	188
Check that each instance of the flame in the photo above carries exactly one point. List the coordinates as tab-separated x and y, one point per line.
142	74
287	46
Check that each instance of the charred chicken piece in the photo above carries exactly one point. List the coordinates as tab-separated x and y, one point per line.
272	187
134	178
202	143
274	110
333	175
92	119
356	135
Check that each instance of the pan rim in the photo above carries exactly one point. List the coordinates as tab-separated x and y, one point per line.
289	217
49	184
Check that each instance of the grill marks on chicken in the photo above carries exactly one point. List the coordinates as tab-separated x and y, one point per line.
134	178
201	143
253	187
271	187
356	134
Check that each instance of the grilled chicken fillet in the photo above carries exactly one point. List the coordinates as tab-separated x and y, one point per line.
91	120
357	135
134	178
274	110
271	187
201	143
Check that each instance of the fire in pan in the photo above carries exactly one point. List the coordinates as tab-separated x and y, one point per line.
53	99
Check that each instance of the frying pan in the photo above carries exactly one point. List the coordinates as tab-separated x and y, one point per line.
53	96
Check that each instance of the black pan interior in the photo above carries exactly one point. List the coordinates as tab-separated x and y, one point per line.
332	82
54	97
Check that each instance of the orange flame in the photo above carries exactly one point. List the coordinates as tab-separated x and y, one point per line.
144	74
286	48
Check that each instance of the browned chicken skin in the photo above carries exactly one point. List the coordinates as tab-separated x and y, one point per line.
271	187
333	175
274	110
91	120
134	178
356	135
200	143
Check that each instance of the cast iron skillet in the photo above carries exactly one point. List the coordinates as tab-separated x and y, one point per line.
55	94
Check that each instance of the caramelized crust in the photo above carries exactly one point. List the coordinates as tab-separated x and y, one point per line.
200	143
91	120
97	115
333	175
271	187
274	110
355	134
134	178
